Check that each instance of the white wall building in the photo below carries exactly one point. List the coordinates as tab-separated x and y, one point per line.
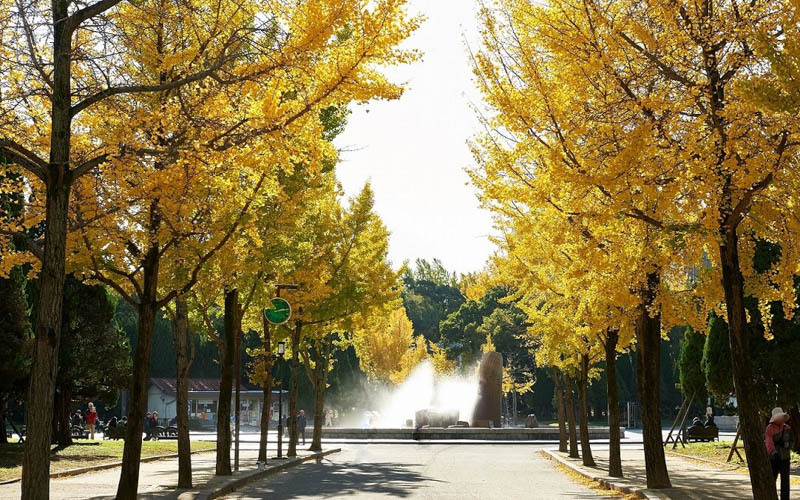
203	398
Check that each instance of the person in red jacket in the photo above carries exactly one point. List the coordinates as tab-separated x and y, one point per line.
91	420
778	439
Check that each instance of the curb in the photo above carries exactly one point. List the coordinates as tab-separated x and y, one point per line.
727	465
96	468
249	477
609	483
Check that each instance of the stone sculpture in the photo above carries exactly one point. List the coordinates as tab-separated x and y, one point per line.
488	408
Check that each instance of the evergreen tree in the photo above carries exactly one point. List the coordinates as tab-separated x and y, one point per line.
693	380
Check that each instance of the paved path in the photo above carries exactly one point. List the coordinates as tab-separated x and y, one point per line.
427	471
157	479
691	479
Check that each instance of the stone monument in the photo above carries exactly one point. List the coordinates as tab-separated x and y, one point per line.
488	407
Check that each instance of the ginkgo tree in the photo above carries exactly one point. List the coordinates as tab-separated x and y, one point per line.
345	279
383	343
241	82
673	117
60	60
549	177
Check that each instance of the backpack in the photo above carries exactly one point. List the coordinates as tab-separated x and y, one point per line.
783	442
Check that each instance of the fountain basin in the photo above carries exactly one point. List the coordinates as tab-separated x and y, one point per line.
468	433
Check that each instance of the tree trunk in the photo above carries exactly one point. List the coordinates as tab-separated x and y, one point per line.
562	427
62	422
794	423
237	411
227	358
614	458
292	420
182	403
3	410
752	428
129	475
586	449
267	346
47	334
648	370
321	369
573	433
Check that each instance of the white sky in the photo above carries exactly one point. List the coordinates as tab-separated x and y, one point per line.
414	150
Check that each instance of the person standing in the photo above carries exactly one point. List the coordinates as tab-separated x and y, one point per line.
91	420
77	419
301	426
779	439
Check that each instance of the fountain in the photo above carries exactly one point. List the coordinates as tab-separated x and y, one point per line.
430	407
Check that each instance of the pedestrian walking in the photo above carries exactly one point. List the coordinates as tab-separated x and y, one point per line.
779	439
91	420
148	422
301	426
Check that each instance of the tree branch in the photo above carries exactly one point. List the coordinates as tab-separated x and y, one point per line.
88	12
738	213
666	70
139	89
88	165
33	246
19	155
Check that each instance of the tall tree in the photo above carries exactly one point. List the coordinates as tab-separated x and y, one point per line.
94	358
57	69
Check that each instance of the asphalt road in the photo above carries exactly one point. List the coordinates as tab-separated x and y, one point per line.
427	471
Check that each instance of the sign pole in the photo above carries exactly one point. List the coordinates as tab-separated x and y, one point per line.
279	313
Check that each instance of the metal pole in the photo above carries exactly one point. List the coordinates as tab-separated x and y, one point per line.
280	421
280	404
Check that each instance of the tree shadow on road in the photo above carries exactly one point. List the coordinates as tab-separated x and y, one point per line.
329	479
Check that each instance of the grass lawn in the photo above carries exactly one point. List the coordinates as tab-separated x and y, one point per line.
718	452
86	455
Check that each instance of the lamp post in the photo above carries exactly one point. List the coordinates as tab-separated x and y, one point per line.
281	350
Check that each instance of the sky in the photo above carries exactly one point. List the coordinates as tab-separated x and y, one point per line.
414	150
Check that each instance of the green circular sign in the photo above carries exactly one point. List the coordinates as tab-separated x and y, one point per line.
279	312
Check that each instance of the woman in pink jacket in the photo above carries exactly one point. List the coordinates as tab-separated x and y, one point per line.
778	439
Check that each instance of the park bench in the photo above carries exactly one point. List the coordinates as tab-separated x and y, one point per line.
703	434
161	432
158	432
170	432
115	433
79	432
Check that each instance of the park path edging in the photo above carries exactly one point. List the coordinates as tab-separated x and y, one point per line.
619	484
717	463
248	477
110	465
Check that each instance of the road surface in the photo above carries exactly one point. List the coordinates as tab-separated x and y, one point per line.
426	471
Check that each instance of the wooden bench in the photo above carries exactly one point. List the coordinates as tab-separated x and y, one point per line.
702	434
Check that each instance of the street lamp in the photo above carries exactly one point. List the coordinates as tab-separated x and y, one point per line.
281	351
